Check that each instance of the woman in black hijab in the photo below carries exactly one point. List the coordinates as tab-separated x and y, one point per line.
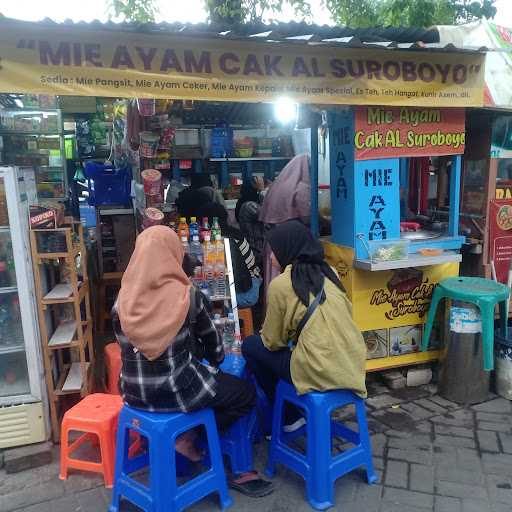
309	311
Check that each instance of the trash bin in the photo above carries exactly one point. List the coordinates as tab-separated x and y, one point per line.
503	366
462	378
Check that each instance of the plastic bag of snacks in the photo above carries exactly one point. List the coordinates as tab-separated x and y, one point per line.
148	144
146	107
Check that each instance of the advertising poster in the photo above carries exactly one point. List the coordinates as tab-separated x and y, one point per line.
500	237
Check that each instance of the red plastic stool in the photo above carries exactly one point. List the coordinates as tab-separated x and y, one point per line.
112	354
96	415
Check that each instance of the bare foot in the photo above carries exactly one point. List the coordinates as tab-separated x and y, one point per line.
186	447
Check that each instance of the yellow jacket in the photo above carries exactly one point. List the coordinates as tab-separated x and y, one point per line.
331	352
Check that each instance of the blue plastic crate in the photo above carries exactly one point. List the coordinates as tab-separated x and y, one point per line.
107	184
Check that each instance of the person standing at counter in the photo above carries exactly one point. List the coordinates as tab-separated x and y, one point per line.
165	332
328	349
288	198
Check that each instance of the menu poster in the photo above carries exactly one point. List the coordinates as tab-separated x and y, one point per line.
500	245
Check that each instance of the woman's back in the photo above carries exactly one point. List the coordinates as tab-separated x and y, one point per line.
330	353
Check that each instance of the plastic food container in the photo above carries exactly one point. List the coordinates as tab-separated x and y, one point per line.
152	217
152	180
324	201
148	144
388	250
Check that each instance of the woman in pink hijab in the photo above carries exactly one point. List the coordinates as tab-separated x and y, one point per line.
288	198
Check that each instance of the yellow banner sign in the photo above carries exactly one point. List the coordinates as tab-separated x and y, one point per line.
63	60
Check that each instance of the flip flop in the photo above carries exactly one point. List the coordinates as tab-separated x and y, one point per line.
254	488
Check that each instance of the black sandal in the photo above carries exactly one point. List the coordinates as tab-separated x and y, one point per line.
255	488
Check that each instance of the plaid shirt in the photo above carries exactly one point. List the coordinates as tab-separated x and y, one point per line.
175	381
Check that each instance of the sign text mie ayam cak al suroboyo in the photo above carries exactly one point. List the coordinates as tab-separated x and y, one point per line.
59	59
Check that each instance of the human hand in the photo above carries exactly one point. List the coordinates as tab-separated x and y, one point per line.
258	183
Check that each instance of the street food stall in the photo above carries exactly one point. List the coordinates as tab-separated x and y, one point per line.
390	168
390	147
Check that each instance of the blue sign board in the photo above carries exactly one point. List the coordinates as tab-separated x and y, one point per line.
377	209
341	161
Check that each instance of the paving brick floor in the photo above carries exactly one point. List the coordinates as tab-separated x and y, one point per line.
430	455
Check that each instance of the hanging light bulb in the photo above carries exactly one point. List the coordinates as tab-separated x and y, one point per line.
285	110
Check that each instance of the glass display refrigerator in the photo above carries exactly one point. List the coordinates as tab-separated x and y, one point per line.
23	404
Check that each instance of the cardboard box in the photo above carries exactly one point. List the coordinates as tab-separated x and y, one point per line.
42	217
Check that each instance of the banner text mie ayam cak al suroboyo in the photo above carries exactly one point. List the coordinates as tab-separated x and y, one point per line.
58	60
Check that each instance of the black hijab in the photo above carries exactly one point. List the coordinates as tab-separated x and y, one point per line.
293	244
247	193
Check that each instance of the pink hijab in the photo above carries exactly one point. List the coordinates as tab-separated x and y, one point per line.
154	299
289	197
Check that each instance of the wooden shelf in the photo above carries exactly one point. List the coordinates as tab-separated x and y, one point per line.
64	334
70	379
58	255
62	293
74	381
252	159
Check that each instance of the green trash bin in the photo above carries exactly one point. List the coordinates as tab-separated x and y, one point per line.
462	378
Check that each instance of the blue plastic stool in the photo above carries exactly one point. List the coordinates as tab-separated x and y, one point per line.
318	467
163	493
237	442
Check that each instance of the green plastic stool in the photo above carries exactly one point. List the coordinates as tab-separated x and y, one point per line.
485	294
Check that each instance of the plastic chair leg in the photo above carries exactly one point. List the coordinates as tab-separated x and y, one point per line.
277	421
217	464
64	451
319	484
436	297
364	439
162	481
107	459
487	313
504	318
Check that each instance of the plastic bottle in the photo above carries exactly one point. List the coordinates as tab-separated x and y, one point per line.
196	249
197	278
229	333
183	230
209	266
205	229
220	269
184	243
215	227
193	227
219	326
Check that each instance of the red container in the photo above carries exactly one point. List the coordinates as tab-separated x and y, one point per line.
152	217
152	180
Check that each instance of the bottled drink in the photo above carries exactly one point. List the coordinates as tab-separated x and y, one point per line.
209	251
219	326
236	347
205	229
209	266
220	280
229	333
220	269
209	279
184	243
215	227
183	231
193	228
197	277
196	249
